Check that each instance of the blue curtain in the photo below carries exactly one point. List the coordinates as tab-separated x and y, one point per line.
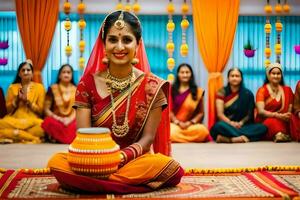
252	28
155	37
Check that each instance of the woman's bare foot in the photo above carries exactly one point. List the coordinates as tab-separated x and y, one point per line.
223	139
240	139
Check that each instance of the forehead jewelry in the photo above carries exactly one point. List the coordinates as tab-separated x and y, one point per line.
120	23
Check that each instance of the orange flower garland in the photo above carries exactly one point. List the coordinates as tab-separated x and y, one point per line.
81	24
184	49
68	26
170	45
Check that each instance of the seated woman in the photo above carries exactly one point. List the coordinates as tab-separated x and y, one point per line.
295	119
274	103
2	104
25	104
60	123
235	110
130	101
187	108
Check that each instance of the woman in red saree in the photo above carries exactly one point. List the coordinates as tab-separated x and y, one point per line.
60	123
274	103
2	104
187	108
131	102
295	119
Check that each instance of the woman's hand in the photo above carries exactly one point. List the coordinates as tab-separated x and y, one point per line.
235	124
185	125
284	116
299	115
22	95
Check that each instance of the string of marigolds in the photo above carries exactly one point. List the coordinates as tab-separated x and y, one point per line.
82	24
278	25
170	44
184	48
68	27
135	7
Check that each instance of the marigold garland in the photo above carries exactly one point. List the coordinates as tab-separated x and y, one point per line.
170	45
68	26
199	171
184	48
81	24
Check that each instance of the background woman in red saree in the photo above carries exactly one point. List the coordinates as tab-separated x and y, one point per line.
274	103
295	119
187	108
127	99
2	104
235	109
60	123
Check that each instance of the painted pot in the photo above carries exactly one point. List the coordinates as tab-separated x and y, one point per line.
249	53
94	153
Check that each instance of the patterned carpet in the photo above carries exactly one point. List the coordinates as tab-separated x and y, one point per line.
256	185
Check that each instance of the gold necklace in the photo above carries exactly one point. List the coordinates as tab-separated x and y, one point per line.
120	130
119	83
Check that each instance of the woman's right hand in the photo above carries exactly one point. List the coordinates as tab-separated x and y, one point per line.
22	95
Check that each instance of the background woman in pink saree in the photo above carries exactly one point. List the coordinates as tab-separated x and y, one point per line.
187	108
274	103
295	119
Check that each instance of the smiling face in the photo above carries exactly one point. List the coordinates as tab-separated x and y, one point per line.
184	74
120	45
26	73
275	76
65	75
235	78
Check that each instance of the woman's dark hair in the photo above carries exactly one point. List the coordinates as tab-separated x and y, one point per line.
18	78
267	80
59	72
192	83
232	69
129	18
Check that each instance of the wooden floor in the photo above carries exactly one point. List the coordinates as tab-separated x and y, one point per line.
192	155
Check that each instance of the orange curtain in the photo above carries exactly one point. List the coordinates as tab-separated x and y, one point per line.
37	21
215	24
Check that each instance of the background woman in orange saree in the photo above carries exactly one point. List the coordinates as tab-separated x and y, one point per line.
127	99
295	119
274	103
24	103
60	123
187	108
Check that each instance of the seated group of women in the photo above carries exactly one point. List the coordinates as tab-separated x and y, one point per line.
27	104
276	115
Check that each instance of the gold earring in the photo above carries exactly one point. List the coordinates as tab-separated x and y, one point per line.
135	61
105	60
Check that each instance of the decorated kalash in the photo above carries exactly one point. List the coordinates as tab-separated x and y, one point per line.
130	155
94	153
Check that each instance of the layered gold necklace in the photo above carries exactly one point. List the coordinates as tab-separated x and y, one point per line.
113	84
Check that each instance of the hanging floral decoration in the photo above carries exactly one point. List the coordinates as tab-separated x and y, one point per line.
184	48
82	24
119	5
135	7
279	9
268	29
170	45
127	6
68	27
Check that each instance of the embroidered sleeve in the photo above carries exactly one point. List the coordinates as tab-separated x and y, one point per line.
82	96
160	100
